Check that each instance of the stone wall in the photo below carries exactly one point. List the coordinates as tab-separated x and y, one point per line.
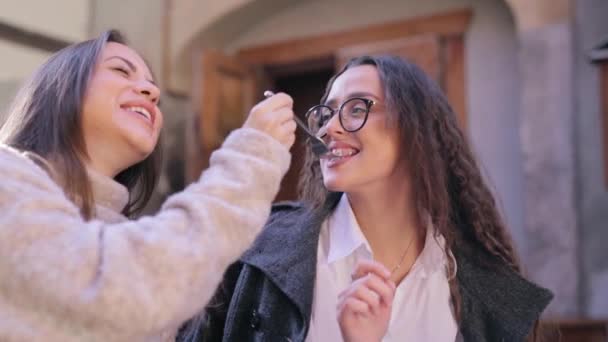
547	119
66	20
7	92
591	28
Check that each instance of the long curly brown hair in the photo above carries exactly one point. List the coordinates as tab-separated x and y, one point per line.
447	182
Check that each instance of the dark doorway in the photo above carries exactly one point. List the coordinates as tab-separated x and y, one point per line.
306	88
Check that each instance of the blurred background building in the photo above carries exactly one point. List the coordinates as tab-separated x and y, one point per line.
527	78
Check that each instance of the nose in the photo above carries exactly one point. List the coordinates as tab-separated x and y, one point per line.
331	128
149	90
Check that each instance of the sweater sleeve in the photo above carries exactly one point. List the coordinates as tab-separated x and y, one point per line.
144	275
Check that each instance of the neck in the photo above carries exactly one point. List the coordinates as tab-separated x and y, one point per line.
389	220
104	163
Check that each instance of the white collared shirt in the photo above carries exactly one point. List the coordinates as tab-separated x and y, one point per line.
421	308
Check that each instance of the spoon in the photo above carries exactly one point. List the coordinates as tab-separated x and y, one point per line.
318	146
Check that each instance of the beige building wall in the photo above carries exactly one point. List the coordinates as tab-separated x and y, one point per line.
67	20
140	20
18	62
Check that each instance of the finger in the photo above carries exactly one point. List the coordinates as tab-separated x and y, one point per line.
287	140
381	287
289	127
292	140
353	305
385	289
277	101
281	115
365	267
368	296
352	288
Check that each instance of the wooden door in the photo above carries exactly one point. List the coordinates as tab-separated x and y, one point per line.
436	43
225	94
422	50
441	57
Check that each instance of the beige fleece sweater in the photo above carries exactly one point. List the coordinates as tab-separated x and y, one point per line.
111	279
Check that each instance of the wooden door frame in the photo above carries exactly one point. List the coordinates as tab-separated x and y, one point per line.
451	26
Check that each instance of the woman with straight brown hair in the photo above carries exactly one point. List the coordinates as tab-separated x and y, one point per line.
397	237
79	158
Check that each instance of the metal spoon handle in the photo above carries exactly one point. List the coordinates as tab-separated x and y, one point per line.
318	146
304	127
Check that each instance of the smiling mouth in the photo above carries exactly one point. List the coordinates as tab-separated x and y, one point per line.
141	111
340	154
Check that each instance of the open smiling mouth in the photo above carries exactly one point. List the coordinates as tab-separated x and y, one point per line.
337	155
141	111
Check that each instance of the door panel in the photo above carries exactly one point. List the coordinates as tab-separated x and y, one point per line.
422	50
225	96
441	57
435	43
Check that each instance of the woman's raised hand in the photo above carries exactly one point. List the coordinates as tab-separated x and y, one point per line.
364	308
274	116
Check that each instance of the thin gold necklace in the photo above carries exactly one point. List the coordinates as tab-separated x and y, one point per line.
402	256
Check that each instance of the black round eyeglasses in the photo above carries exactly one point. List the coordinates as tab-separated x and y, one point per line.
352	113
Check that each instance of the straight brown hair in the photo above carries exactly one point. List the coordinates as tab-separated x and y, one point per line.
45	119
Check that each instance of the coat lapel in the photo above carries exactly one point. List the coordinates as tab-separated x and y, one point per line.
286	251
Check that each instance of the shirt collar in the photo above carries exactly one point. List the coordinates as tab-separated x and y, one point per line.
345	237
432	258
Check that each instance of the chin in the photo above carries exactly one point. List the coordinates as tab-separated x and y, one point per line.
335	184
141	148
141	139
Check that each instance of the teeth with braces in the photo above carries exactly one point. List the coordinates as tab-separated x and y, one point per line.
343	152
141	110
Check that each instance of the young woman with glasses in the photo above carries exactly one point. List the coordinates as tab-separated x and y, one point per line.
397	237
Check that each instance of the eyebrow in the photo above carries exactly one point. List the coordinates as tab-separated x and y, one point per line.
130	65
350	96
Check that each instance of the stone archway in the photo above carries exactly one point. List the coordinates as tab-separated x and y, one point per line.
209	24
